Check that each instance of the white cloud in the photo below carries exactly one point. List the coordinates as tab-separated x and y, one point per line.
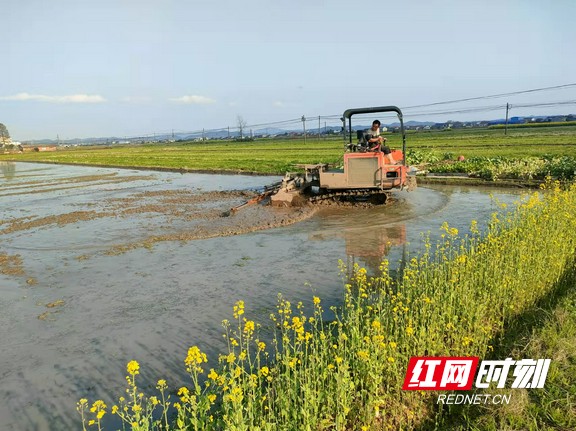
73	98
193	100
278	104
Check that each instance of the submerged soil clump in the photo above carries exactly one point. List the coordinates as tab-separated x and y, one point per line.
170	215
208	216
11	264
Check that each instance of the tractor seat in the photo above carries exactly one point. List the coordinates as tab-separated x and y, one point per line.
363	137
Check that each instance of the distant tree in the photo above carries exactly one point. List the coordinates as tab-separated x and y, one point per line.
241	122
4	135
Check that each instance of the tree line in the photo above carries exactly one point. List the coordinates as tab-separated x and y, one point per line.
4	135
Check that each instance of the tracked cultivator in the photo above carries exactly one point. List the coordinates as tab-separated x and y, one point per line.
364	174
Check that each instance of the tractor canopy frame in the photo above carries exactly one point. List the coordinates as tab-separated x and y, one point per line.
347	117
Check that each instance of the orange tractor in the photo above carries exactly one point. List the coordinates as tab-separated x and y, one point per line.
365	174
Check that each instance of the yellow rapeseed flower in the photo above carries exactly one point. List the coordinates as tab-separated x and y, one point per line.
97	406
183	391
213	374
133	368
238	309
249	327
184	394
195	356
297	324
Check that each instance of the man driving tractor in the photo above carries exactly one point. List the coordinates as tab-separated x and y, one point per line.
376	142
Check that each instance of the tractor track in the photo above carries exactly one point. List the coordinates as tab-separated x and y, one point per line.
360	197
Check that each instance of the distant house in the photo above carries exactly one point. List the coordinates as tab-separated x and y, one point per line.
517	120
39	148
557	118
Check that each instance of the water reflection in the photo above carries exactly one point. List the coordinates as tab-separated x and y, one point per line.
366	241
371	245
8	169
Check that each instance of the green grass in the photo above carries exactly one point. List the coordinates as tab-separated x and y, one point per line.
528	125
278	156
493	143
545	331
274	157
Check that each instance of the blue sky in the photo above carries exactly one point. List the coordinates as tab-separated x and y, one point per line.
78	68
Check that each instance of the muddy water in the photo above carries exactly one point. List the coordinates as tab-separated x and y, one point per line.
101	266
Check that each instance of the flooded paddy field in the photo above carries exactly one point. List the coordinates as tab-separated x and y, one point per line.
101	266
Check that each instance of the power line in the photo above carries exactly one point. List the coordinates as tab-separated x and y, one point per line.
336	117
461	111
493	96
530	105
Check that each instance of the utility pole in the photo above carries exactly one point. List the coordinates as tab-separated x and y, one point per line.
202	134
304	126
318	128
506	125
228	132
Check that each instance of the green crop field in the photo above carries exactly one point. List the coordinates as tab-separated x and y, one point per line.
546	150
